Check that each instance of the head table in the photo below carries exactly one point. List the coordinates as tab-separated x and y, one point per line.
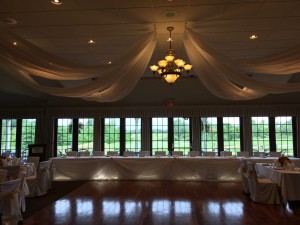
224	169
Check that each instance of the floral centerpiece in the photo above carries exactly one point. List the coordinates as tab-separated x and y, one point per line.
284	161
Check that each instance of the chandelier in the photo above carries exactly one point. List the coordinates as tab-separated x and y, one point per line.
170	69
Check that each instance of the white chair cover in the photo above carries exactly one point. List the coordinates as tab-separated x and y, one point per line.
274	154
98	153
15	161
38	185
128	153
3	175
243	174
177	153
225	153
242	154
23	191
35	160
112	153
9	204
72	153
84	153
259	154
160	153
144	153
261	189
194	153
209	154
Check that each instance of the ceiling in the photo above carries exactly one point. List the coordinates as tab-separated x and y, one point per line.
116	25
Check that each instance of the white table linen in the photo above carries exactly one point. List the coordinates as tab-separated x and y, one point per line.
147	168
288	181
296	161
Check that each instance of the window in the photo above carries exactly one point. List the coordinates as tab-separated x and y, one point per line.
231	134
86	134
260	134
209	134
64	136
182	140
111	134
159	134
133	134
28	135
284	135
8	137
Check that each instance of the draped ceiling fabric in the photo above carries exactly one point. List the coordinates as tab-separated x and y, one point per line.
224	77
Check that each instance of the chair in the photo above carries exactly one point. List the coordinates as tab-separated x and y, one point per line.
4	162
9	204
243	174
128	153
23	191
225	153
242	154
85	153
160	153
261	190
208	154
71	153
274	154
112	153
35	160
259	154
3	175
38	185
144	153
15	161
98	153
177	153
45	165
194	153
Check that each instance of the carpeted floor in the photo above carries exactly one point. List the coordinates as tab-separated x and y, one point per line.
59	189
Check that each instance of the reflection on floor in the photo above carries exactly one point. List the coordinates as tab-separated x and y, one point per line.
162	203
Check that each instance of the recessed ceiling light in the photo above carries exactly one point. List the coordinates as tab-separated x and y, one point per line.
253	36
56	2
91	41
109	62
170	13
15	43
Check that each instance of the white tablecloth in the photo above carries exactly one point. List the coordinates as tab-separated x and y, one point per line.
147	168
288	181
296	161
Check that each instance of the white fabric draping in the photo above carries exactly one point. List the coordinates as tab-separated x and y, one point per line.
224	77
147	168
103	83
228	79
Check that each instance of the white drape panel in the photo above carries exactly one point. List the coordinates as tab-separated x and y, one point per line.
104	83
228	79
